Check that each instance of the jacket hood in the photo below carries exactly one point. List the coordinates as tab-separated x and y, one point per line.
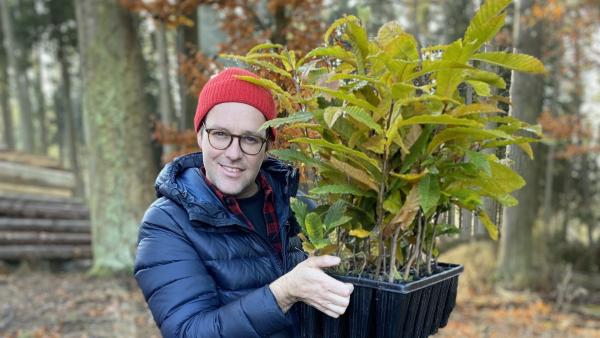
181	181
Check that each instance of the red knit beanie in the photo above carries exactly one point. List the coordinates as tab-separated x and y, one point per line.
226	87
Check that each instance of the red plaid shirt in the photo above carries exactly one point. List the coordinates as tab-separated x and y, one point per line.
231	203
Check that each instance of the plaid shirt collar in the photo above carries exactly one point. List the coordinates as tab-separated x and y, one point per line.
231	203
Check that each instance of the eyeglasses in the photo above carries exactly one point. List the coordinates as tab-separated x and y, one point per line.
221	140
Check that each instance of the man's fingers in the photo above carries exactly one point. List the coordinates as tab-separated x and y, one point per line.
323	261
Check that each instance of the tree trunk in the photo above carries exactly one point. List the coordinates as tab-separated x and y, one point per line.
42	142
7	123
165	103
515	261
12	49
70	143
187	43
121	165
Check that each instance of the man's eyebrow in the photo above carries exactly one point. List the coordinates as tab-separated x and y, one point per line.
244	133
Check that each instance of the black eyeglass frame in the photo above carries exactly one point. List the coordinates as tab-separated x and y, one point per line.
239	138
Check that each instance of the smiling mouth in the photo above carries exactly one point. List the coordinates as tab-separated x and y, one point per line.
231	170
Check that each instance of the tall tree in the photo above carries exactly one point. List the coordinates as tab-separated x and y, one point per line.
7	123
62	31
121	165
187	44
14	54
515	262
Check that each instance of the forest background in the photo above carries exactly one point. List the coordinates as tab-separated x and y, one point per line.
96	96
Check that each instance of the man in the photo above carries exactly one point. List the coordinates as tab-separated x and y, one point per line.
217	253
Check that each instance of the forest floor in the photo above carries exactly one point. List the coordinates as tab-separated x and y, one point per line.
43	302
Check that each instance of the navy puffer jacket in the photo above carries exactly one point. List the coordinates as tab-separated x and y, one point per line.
202	271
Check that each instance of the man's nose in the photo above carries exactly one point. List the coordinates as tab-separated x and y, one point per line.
234	151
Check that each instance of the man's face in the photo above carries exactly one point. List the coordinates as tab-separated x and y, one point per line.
230	170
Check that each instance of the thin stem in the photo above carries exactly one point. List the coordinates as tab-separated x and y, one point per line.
420	237
415	250
431	245
393	268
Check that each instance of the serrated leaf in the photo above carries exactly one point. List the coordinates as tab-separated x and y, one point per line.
387	32
314	227
262	64
402	90
436	66
481	88
327	250
339	94
519	62
426	119
486	22
491	228
358	37
335	212
360	115
295	156
332	51
331	115
429	193
360	157
359	233
475	108
473	134
338	222
526	147
484	76
265	46
339	189
403	46
300	210
355	173
375	144
280	121
337	23
265	83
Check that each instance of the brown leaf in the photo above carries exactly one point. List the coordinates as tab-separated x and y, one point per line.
406	214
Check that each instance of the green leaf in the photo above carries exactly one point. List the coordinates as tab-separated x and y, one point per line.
331	115
280	121
403	46
480	161
475	108
360	115
387	32
268	84
427	119
429	192
263	64
518	62
361	158
491	228
430	66
355	173
484	76
402	90
473	134
265	46
340	189
335	217
481	88
486	23
314	227
358	37
348	97
337	23
300	210
296	156
333	51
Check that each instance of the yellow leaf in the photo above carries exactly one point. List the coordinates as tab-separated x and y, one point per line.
412	178
407	213
354	172
360	233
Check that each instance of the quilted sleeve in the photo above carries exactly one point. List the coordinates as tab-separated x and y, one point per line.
182	295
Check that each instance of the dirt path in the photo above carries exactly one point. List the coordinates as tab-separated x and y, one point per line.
38	304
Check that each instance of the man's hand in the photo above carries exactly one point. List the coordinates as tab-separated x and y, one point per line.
308	283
